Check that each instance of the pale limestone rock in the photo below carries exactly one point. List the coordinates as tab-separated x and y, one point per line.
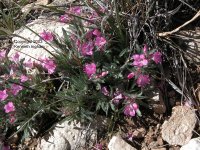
31	49
194	144
178	129
61	2
34	5
67	136
117	143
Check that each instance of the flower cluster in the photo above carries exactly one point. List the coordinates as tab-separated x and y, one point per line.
141	61
130	109
18	75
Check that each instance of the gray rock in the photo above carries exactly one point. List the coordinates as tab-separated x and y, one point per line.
30	50
61	2
67	136
194	144
178	129
117	143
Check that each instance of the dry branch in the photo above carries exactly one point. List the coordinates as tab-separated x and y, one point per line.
177	29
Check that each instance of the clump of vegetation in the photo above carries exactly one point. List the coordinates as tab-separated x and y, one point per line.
112	58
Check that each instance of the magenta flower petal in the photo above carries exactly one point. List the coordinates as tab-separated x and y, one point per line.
131	75
2	54
96	32
157	57
15	89
100	42
136	57
47	36
9	107
90	69
23	78
3	95
130	109
65	18
15	57
105	91
139	60
87	48
49	64
143	80
75	10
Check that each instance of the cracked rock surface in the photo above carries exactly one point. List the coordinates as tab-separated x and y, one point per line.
68	136
178	129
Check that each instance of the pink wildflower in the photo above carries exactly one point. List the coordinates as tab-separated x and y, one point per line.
49	64
131	75
98	147
118	97
15	89
9	107
143	80
3	95
23	78
2	54
139	60
90	69
15	57
157	57
28	64
96	32
130	109
135	106
64	18
47	36
75	10
105	91
100	42
87	48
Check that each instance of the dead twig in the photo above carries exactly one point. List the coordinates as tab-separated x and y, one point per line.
183	25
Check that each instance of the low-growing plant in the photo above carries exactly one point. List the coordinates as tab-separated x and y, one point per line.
102	71
100	68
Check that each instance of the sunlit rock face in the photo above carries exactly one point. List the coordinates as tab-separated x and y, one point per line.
30	45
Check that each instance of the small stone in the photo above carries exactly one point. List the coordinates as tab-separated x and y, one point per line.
194	144
178	129
117	143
